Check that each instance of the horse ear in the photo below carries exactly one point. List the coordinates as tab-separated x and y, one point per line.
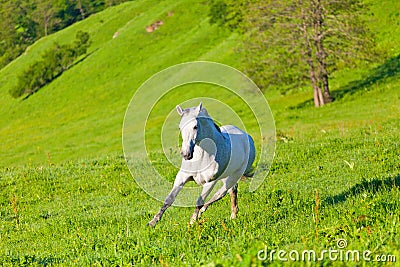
179	110
199	107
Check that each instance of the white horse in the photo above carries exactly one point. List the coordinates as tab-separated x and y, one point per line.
210	154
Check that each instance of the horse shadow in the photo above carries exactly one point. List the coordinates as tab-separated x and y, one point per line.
371	186
388	69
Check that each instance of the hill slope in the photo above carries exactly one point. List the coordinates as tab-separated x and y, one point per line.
80	114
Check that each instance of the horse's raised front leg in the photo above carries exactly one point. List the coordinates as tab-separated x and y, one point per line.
207	188
180	181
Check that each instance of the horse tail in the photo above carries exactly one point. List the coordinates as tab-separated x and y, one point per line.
249	172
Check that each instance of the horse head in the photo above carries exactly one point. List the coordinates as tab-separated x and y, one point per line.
190	129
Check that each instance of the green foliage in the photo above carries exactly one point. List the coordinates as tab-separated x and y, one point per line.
17	29
218	12
81	43
25	21
53	63
275	51
227	13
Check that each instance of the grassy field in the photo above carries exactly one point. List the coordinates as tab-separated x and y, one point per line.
68	198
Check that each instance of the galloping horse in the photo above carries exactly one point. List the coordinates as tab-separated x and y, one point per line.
210	154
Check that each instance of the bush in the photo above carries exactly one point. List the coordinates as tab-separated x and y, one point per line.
227	13
53	63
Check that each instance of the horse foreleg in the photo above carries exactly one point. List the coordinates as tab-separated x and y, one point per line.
180	181
207	188
167	203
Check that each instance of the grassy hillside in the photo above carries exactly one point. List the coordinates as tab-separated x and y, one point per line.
67	197
80	114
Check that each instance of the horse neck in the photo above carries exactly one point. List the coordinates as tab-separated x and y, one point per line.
210	131
221	152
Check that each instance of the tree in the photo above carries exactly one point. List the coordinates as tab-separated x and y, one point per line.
45	15
25	21
80	7
17	29
291	42
82	42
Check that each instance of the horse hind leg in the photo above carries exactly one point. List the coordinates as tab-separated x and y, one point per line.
228	184
234	204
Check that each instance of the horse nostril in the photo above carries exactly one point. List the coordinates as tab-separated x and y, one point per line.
184	155
188	156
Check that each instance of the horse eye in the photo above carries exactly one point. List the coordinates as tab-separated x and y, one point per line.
195	127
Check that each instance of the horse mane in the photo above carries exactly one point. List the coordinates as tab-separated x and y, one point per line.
217	127
205	114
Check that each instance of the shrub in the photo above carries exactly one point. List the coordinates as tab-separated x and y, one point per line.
53	63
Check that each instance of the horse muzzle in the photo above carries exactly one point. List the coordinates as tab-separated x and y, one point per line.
187	154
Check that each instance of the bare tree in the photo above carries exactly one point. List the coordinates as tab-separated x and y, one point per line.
44	14
80	7
312	26
295	41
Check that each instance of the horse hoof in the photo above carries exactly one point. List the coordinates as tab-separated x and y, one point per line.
151	223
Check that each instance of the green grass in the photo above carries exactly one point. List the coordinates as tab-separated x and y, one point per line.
67	197
91	212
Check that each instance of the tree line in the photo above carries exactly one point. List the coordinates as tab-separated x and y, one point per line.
25	21
293	43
